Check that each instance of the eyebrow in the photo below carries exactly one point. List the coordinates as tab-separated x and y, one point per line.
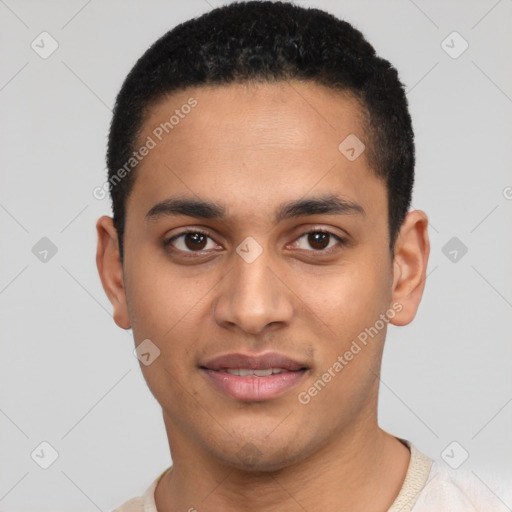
202	209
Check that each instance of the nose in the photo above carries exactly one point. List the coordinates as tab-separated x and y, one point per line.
254	296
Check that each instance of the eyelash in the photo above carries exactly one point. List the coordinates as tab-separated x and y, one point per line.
192	254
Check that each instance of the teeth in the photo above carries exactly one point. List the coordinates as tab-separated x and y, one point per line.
244	372
263	373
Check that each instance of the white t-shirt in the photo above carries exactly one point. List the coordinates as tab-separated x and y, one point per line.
428	487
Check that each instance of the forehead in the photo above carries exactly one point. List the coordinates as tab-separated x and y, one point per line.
292	113
255	145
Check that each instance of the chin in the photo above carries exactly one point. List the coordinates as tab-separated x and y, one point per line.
259	463
260	455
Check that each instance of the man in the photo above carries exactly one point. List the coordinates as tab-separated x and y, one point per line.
261	164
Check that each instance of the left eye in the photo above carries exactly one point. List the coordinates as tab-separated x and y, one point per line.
320	241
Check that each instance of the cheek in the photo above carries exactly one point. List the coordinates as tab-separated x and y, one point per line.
169	309
159	299
349	298
166	312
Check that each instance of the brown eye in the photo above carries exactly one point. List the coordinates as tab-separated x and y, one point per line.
318	240
323	242
189	242
195	241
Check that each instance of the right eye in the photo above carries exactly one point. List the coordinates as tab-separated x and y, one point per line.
192	241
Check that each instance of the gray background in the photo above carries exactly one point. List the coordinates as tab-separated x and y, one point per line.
67	373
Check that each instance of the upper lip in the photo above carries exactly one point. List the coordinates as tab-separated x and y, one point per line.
253	362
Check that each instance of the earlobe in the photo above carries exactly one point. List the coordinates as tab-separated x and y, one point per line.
411	254
110	270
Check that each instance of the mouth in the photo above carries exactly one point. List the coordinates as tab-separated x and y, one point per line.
253	378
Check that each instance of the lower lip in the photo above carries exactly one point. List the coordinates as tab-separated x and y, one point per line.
254	389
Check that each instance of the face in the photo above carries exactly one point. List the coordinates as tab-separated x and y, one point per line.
257	262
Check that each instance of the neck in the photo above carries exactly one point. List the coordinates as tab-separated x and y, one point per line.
360	470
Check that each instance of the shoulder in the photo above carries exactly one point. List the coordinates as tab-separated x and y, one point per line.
133	505
144	503
461	491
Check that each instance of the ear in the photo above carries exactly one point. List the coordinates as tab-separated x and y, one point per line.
412	249
110	268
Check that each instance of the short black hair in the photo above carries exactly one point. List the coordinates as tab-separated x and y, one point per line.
254	41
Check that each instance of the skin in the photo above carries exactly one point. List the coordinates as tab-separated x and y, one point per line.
252	147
